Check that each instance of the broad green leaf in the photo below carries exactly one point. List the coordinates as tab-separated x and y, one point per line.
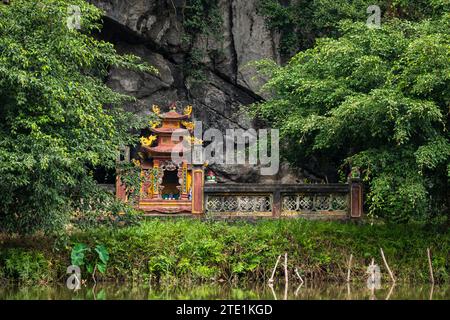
102	253
78	254
101	267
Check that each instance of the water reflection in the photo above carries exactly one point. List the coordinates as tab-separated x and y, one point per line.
310	291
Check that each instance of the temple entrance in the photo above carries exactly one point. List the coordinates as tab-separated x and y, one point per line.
167	186
170	184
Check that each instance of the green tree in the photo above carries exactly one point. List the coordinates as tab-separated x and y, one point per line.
58	119
300	22
377	99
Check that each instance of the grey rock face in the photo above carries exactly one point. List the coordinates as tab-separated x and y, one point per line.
153	30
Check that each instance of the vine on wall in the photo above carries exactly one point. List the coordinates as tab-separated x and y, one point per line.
199	18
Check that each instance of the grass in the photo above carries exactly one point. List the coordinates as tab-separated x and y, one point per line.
174	250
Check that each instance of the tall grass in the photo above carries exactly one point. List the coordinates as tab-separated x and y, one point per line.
184	250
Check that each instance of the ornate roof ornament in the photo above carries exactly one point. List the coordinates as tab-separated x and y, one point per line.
148	141
188	110
156	109
188	125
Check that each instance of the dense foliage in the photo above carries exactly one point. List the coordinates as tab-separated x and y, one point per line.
54	127
200	18
173	251
377	99
300	22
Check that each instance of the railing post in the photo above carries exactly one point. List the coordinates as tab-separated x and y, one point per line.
276	202
121	192
356	197
197	190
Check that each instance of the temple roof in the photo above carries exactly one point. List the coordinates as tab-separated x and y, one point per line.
165	130
172	121
164	149
172	114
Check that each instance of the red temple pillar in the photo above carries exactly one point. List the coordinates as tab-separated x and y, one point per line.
121	191
356	197
197	189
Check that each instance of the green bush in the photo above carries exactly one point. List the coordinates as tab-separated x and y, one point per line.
25	266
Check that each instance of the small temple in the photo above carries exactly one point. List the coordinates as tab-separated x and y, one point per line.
172	183
168	186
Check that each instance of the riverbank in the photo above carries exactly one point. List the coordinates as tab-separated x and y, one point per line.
190	250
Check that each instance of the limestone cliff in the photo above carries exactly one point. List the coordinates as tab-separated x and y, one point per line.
154	30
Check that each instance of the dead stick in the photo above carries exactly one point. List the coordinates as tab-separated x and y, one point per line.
430	265
298	275
387	266
390	292
286	276
274	269
349	267
298	289
431	291
273	291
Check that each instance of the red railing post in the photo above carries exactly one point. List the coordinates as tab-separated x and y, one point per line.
197	190
356	197
276	202
121	192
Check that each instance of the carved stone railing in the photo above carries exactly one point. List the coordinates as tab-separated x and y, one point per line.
239	204
277	200
307	203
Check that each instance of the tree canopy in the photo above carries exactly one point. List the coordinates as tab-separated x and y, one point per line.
300	22
58	119
375	98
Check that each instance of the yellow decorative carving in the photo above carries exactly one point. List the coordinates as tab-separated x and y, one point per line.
195	140
154	124
137	163
188	110
156	109
188	125
148	141
189	181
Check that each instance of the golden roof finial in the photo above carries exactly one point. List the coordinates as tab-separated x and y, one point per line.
173	106
156	109
188	110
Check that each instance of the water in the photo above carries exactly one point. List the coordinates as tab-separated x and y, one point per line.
321	291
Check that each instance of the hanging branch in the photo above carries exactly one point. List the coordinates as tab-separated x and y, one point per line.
387	266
